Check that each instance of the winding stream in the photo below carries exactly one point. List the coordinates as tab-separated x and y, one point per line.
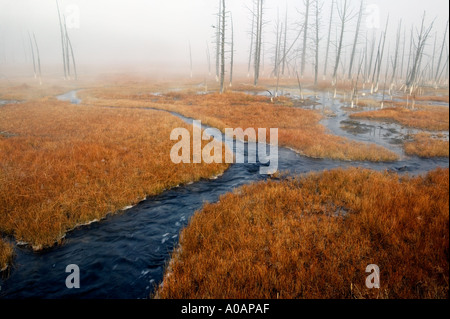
123	256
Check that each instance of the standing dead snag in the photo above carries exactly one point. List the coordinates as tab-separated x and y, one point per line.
397	48
62	40
38	59
258	44
344	16
444	43
305	37
222	50
355	43
329	39
232	51
32	55
218	41
66	45
422	38
318	8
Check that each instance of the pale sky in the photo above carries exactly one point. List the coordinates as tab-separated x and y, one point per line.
115	32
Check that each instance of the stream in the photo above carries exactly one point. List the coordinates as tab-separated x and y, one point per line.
124	255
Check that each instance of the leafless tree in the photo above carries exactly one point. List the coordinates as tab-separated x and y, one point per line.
419	47
305	36
329	39
355	42
62	40
345	15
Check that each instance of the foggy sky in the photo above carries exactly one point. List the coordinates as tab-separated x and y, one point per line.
156	32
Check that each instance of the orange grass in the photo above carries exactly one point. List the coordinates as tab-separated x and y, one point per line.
6	253
434	118
428	98
26	91
67	165
298	128
314	236
426	146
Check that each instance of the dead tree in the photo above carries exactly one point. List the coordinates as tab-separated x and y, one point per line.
277	45
318	8
444	43
370	61
62	40
285	42
208	58
355	42
258	39
344	16
232	51
219	16
38	59
32	55
379	60
305	37
252	36
397	49
222	50
329	39
403	55
419	47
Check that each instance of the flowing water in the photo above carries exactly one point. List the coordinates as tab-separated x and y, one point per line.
124	255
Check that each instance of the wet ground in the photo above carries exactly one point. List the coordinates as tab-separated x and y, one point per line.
124	255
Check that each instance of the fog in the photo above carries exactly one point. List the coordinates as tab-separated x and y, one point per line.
136	34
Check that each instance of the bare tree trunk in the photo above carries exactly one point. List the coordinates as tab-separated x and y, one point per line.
66	36
232	51
419	48
219	16
372	51
62	40
32	54
222	51
380	64
355	43
305	37
397	49
258	50
277	47
343	15
208	58
38	60
285	42
442	52
317	44
252	34
73	59
329	39
403	55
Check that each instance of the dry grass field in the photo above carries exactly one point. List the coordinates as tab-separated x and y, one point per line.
314	236
432	118
426	146
299	129
63	165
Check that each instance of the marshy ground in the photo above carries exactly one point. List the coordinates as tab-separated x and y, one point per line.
64	165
